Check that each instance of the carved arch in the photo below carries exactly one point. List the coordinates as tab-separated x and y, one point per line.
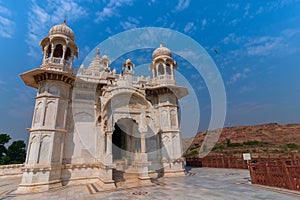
130	92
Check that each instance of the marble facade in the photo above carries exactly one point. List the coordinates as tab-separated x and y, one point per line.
93	125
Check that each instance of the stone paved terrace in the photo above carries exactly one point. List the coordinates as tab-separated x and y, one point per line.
200	183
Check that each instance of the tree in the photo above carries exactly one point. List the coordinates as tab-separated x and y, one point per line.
16	152
228	142
4	138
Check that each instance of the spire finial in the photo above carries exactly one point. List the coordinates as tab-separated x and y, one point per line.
98	52
65	21
161	44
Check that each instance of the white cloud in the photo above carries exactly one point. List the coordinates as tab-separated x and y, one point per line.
3	87
38	20
247	107
234	21
203	23
235	6
270	6
42	17
232	38
130	23
239	75
263	45
189	27
260	10
246	88
69	9
247	8
182	5
7	26
258	46
188	53
291	32
151	2
172	25
111	9
274	5
4	11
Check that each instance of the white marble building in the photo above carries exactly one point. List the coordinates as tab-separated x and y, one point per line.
93	125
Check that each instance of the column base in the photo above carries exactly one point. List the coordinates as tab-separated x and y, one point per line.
174	173
108	185
145	181
38	187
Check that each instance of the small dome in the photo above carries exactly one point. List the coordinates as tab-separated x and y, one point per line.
62	29
104	57
161	51
128	61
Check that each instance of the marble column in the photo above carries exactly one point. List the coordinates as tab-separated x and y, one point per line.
63	55
45	54
143	142
108	155
172	71
52	50
102	146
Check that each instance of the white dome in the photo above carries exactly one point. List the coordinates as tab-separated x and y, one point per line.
62	29
161	51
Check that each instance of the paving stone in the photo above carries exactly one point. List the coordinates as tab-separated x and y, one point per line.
207	183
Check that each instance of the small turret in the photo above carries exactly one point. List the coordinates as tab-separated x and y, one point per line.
128	67
163	65
59	48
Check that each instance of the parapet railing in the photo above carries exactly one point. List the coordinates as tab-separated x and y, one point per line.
274	171
9	170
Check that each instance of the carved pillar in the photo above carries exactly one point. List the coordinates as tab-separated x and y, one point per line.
177	147
143	142
153	73
158	146
72	58
102	146
165	70
108	142
108	154
45	54
143	162
63	55
52	50
172	71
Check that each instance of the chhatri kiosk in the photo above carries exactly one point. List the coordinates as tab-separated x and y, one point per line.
93	125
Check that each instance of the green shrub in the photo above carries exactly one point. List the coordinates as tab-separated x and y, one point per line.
193	153
235	145
292	146
255	143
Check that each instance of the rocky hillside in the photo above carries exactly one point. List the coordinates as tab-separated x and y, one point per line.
265	139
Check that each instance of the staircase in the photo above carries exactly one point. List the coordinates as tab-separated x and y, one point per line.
125	177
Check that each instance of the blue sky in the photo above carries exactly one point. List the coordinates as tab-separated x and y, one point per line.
258	44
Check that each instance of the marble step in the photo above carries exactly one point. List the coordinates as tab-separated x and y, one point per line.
127	183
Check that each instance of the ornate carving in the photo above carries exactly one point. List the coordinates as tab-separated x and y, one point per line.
166	139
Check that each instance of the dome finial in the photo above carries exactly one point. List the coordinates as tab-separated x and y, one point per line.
98	52
65	21
161	51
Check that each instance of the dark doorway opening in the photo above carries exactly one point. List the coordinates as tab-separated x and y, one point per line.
119	142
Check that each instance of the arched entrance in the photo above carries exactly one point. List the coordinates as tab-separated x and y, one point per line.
125	140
